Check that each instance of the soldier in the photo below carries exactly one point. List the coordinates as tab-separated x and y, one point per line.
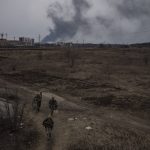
52	105
36	104
48	125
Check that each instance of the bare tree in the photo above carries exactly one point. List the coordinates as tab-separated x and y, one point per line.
71	55
146	60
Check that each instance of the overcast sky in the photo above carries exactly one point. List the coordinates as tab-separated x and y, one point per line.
98	21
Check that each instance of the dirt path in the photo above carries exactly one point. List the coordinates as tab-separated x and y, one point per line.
59	131
66	109
59	123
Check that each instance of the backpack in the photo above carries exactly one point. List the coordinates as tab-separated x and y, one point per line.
48	123
53	104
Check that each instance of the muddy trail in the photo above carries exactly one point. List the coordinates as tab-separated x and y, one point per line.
61	135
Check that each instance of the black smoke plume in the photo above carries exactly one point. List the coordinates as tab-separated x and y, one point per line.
67	29
114	21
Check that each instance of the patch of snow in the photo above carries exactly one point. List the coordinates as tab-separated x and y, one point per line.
70	119
75	118
84	118
88	128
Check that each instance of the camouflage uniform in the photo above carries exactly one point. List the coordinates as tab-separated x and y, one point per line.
52	105
48	124
37	102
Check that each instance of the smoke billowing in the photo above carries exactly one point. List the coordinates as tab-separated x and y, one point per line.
65	29
99	21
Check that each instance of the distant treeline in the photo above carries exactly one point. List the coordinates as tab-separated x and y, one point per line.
77	45
140	45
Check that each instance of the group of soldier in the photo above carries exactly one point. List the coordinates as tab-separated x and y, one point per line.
48	123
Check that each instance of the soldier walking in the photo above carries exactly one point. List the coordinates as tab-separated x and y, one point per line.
36	103
48	125
52	105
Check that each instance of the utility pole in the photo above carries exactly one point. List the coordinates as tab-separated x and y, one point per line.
6	35
83	43
77	44
39	40
2	35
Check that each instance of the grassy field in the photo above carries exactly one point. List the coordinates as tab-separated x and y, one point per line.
121	74
103	80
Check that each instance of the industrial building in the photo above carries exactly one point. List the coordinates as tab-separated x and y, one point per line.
26	41
3	43
23	41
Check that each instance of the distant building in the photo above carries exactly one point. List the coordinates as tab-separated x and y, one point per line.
10	43
3	42
26	41
16	43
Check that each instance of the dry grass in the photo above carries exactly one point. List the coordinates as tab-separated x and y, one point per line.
16	132
23	139
118	76
112	137
118	72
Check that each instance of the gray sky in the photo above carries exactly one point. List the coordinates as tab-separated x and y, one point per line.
24	17
98	21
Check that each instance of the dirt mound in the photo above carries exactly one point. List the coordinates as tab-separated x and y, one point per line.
100	101
133	102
